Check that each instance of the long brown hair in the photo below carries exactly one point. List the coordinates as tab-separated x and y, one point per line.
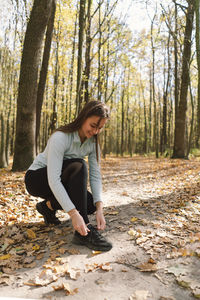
92	108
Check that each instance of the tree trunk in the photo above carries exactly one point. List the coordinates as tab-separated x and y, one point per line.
122	123
155	137
99	58
165	103
180	124
87	52
71	72
43	72
80	51
54	116
150	114
7	145
3	162
192	122
197	9
27	92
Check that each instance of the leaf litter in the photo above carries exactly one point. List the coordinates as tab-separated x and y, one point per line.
171	198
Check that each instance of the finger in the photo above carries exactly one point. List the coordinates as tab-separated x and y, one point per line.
98	225
84	230
103	225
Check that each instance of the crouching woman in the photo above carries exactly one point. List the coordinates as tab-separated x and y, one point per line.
59	175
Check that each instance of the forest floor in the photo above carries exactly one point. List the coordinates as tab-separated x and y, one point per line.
152	209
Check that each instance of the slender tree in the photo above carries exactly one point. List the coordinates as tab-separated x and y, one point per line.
197	11
27	92
179	150
80	54
44	69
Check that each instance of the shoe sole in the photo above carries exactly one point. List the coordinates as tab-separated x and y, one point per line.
90	246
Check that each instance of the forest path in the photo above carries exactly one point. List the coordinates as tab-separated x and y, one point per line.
152	209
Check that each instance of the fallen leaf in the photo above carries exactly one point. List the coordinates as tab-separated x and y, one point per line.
147	267
46	277
36	247
113	212
63	269
177	270
196	293
62	250
73	251
4	257
29	260
96	252
134	219
31	234
106	267
132	232
66	288
142	240
40	256
184	281
32	265
93	267
139	295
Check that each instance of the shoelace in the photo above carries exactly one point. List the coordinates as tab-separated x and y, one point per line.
95	233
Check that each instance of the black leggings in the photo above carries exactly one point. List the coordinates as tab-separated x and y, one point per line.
73	177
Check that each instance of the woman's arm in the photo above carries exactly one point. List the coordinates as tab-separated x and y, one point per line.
57	146
96	187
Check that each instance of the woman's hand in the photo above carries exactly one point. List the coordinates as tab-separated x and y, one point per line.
101	223
78	222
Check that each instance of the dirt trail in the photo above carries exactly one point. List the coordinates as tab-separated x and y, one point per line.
152	209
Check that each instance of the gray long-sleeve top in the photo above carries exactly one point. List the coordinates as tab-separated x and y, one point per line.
63	146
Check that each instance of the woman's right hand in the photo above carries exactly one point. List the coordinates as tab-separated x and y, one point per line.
78	222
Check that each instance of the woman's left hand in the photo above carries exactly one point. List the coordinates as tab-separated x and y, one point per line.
101	223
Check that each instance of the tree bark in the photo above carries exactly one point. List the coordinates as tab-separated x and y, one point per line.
71	70
3	162
122	123
87	52
179	150
54	115
43	72
192	122
80	54
197	10
27	91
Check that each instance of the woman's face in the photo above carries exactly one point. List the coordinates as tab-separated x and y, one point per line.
92	126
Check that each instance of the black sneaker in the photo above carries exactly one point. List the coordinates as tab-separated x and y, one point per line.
93	240
48	214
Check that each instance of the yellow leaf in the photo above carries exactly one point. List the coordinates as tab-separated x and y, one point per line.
132	232
36	247
134	219
96	252
3	257
113	212
31	234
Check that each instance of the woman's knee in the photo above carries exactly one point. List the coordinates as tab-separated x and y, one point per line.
76	168
81	167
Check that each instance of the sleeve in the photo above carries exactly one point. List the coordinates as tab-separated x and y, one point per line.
95	175
56	148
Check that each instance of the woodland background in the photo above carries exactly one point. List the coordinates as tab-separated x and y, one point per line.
57	55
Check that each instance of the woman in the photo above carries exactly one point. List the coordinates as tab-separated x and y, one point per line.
59	176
